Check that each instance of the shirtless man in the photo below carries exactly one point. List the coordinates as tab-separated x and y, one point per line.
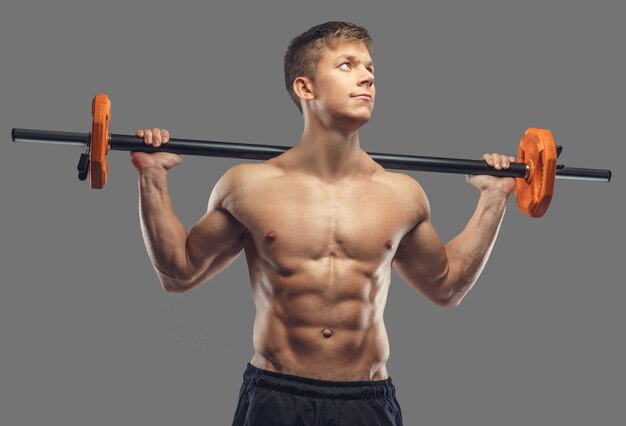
321	226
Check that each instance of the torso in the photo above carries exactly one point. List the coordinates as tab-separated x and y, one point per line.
319	257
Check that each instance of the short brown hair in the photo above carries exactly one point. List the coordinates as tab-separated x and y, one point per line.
305	50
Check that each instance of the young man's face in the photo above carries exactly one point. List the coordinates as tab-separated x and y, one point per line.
344	77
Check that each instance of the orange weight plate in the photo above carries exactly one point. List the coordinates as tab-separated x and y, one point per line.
538	150
101	112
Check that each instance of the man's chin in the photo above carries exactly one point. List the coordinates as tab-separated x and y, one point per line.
354	119
363	118
360	116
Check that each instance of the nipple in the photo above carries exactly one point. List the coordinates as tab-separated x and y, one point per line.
270	236
327	333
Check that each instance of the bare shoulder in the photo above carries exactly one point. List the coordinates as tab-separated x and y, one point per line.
409	191
237	180
405	185
241	173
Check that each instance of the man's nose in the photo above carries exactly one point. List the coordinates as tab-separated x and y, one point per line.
366	78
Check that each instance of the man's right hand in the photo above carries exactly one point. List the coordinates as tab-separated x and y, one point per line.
156	160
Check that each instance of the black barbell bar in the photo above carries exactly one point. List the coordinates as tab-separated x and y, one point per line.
264	152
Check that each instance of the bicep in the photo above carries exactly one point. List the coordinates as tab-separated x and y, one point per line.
421	255
214	242
217	239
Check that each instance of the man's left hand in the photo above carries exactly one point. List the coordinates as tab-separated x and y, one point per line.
506	185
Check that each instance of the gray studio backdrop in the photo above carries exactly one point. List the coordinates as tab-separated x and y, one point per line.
89	337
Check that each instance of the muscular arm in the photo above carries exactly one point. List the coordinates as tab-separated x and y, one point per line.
184	260
444	274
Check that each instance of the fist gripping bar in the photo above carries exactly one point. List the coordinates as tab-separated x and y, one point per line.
535	170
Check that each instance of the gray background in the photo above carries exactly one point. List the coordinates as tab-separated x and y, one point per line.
88	336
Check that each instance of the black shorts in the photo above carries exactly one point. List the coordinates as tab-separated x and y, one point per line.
271	399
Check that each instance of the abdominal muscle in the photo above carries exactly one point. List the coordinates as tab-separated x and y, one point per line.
323	322
319	257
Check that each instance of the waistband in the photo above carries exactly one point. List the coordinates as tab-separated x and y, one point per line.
305	386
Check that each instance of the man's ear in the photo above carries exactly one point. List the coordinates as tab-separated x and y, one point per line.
303	87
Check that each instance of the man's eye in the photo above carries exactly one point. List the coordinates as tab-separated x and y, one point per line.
345	63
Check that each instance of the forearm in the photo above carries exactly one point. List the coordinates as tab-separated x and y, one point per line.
468	252
164	235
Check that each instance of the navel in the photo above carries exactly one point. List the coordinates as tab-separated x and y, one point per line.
270	236
327	333
388	244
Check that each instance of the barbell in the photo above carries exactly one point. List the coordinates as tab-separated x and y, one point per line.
535	169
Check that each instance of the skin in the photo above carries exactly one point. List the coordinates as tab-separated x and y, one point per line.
321	226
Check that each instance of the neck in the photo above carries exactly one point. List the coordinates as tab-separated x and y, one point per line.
329	153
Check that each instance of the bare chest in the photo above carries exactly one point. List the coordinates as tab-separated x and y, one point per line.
295	219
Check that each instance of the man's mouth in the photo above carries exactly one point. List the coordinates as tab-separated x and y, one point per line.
363	96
